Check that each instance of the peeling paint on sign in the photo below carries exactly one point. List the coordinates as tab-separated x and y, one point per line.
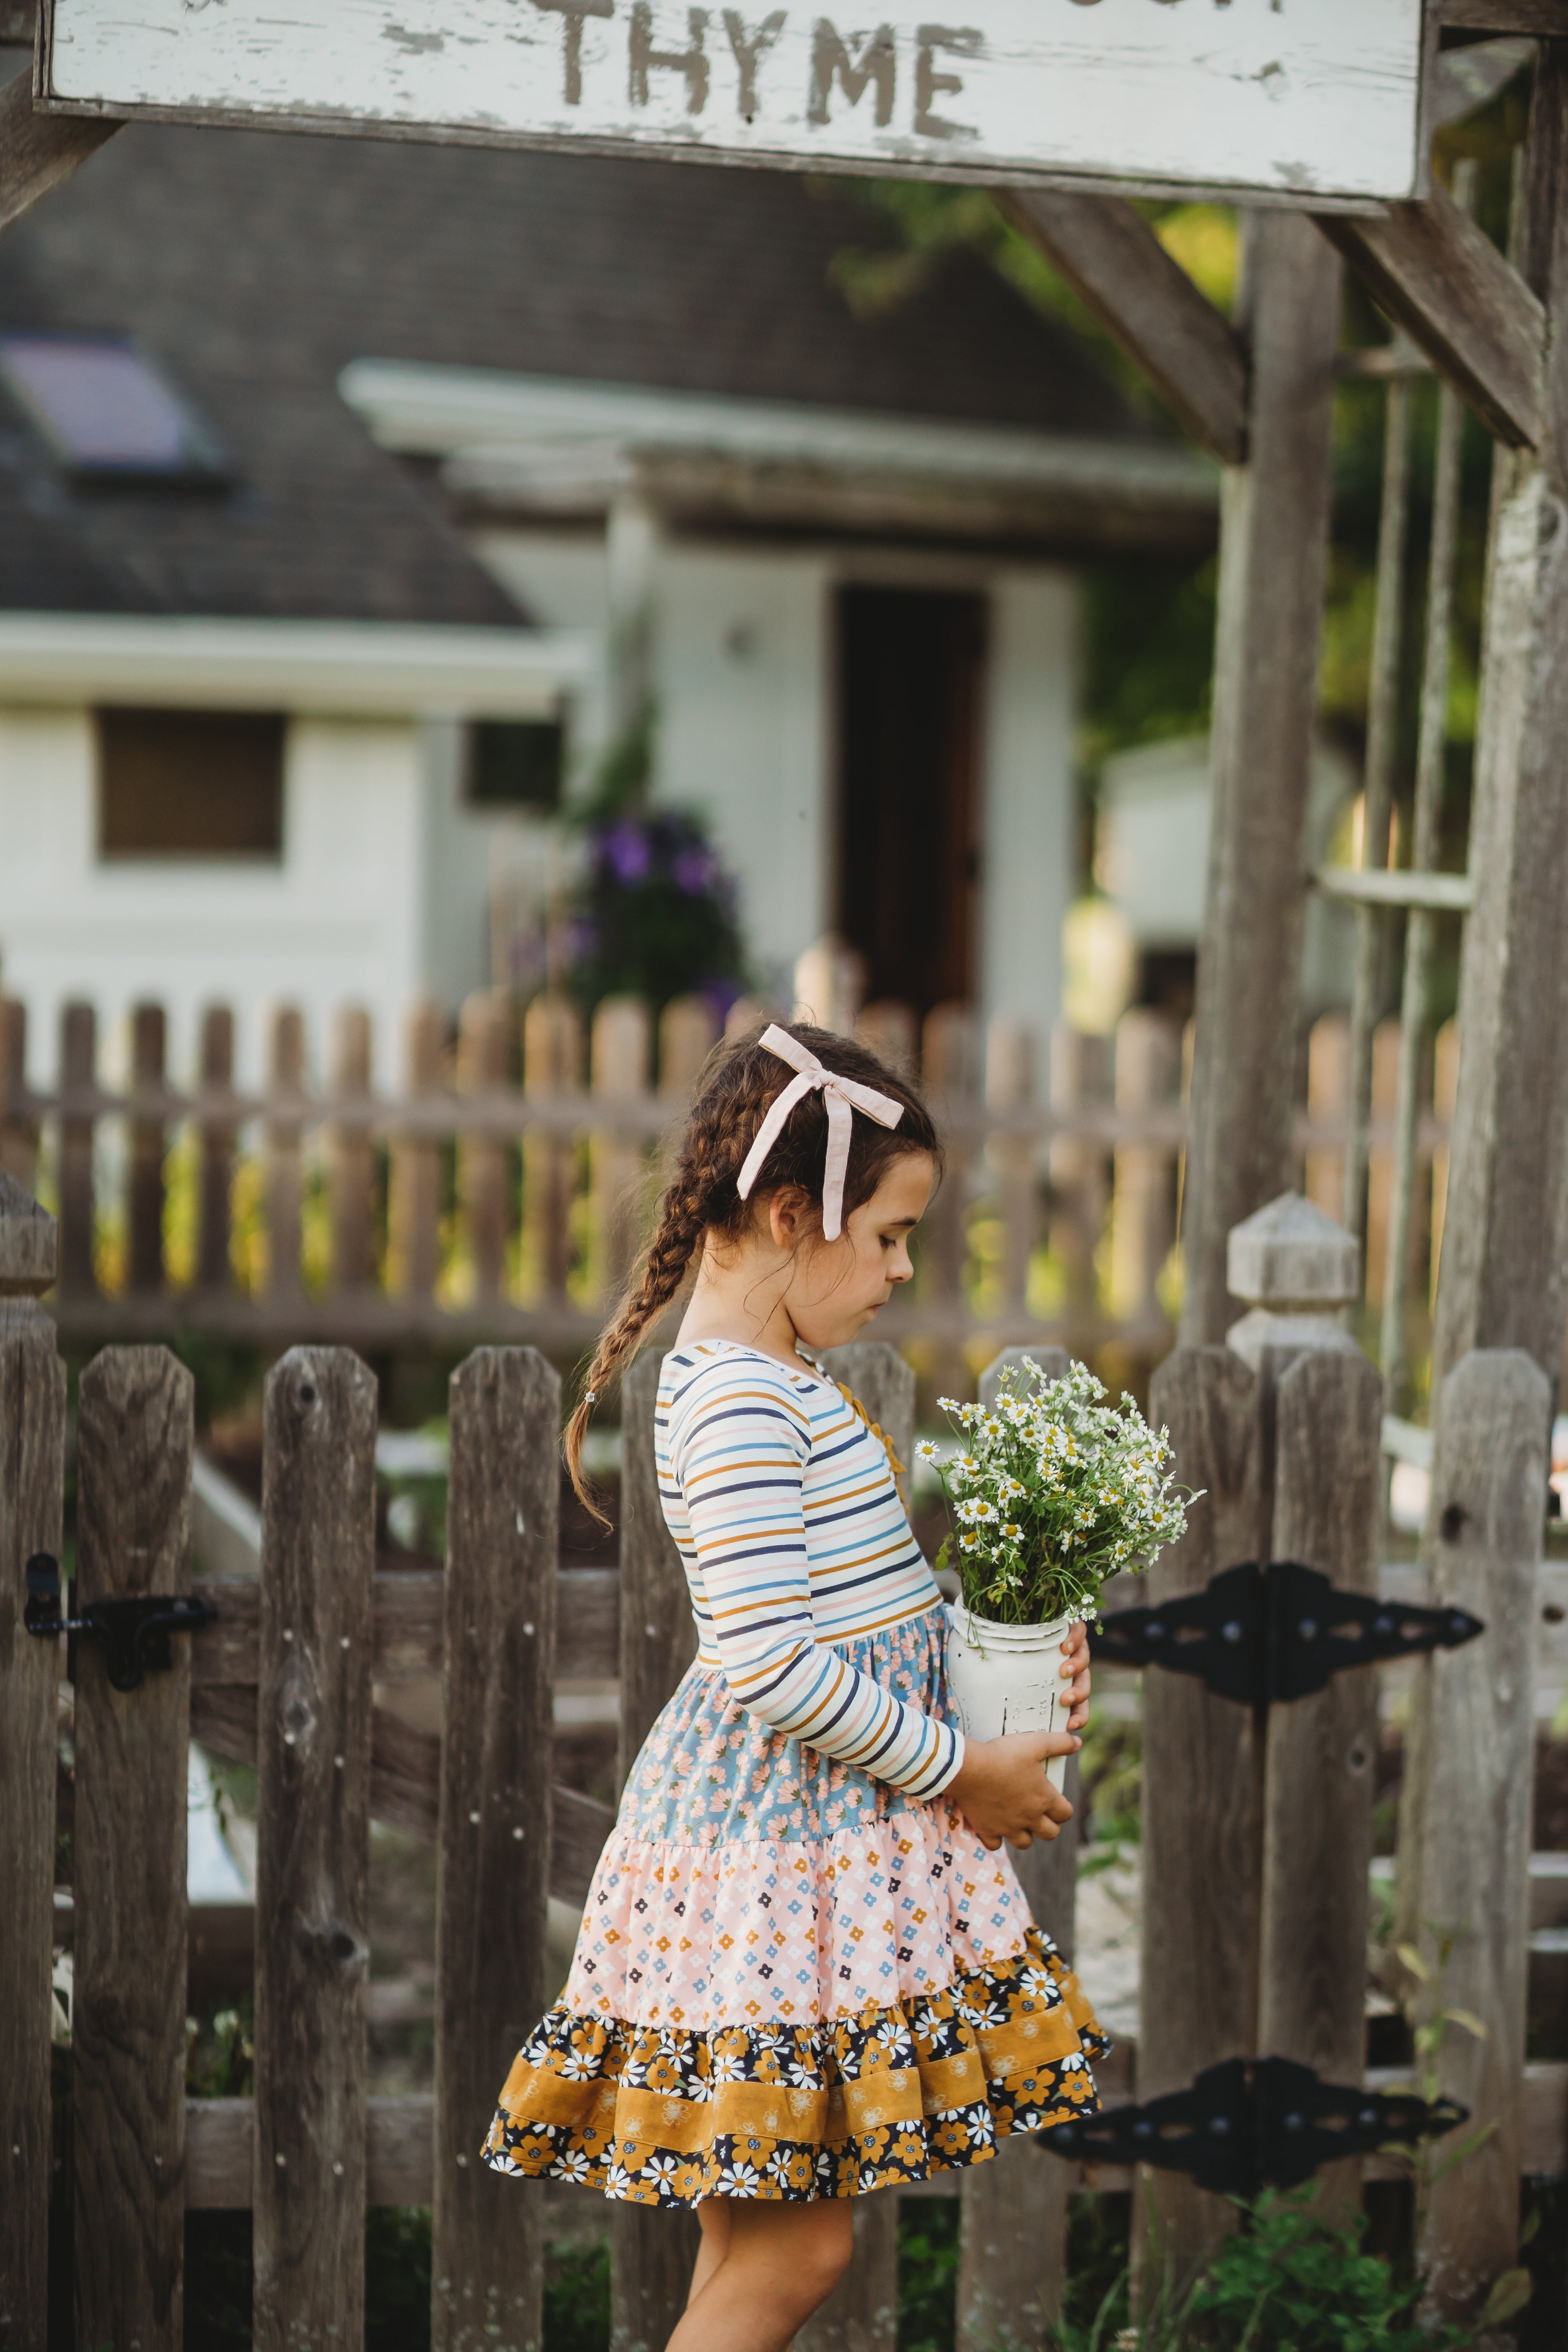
1307	99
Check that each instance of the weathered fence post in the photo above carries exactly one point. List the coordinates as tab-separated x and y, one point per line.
1323	1408
352	1157
32	1484
414	1183
1202	1800
136	1439
1012	2249
651	2253
484	1039
861	2314
144	1160
78	1071
215	1148
619	1076
552	1067
1463	1828
312	1744
502	1514
284	1154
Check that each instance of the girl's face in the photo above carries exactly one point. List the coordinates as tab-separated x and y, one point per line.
835	1289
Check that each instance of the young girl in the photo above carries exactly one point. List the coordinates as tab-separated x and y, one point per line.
806	1970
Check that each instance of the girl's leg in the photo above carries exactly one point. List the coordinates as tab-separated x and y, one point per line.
713	2219
782	2262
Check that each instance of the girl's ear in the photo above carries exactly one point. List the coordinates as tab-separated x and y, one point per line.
791	1213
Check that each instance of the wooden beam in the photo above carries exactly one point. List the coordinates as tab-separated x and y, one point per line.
1502	1281
38	151
1274	525
1504	16
1442	279
1119	270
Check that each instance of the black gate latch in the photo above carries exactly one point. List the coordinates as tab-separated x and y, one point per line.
1251	2123
136	1633
1273	1629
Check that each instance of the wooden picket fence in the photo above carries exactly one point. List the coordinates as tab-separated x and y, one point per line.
292	1674
501	1193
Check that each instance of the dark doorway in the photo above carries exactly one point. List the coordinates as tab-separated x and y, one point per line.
911	670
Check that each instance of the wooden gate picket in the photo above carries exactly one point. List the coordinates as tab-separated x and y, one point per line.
32	1491
313	1710
487	2260
1202	1768
651	2253
1011	2252
136	1438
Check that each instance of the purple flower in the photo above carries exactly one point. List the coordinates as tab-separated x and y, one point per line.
695	872
624	852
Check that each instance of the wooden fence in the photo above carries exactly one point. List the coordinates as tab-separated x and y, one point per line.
502	1193
292	1674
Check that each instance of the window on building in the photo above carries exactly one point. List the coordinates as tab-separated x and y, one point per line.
516	763
190	784
105	409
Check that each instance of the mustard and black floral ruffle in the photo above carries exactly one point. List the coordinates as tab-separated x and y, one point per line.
655	2115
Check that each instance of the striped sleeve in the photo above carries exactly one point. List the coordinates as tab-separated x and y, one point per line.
740	1458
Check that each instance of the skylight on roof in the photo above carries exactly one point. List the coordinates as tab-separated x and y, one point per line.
103	407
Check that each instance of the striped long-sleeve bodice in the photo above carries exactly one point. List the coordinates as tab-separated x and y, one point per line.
784	1509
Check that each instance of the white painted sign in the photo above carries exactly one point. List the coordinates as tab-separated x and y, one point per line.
1303	100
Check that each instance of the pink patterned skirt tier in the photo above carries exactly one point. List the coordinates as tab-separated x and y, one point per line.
792	1980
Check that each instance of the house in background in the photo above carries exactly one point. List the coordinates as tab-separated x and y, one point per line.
333	474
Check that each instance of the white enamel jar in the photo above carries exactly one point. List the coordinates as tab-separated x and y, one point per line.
1003	1678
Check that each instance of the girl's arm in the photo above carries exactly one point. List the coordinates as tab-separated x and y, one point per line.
742	1457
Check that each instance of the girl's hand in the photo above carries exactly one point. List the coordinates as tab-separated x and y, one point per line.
1075	1650
1002	1790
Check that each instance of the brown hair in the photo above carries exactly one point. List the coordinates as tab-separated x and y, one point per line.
735	1087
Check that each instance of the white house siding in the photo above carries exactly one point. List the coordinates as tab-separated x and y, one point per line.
1027	877
744	665
337	922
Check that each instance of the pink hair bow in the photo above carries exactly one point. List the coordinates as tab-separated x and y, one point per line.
841	1096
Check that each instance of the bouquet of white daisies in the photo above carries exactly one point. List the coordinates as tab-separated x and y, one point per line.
1050	1492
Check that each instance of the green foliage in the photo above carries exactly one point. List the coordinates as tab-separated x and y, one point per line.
928	2272
397	2278
655	912
220	2053
1292	2279
577	2298
1111	1762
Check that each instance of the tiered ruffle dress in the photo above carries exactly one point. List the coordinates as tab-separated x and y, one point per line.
799	1974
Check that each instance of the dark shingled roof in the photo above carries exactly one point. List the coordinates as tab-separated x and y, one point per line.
252	267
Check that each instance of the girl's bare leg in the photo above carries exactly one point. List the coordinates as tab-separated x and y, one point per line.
713	2219
779	2263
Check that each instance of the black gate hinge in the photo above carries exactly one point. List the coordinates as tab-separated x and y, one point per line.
136	1633
1251	2123
1272	1631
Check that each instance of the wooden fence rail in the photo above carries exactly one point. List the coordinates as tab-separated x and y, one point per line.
499	1193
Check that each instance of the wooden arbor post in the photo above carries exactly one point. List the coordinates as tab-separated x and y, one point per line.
1258	396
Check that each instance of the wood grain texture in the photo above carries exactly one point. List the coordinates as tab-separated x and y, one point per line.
1119	270
1441	279
313	1710
861	2314
1012	2244
220	2152
651	2253
1502	16
32	1484
1505	1232
1464	1831
1319	1773
407	1627
38	151
1239	1150
502	1515
135	1439
1202	1796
